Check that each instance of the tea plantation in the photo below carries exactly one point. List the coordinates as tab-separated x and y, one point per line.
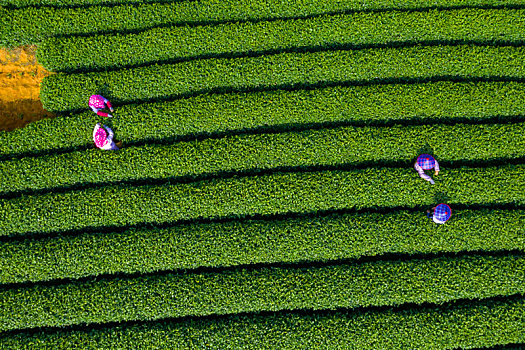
265	196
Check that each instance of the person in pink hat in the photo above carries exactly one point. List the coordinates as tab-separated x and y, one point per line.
97	103
426	162
104	139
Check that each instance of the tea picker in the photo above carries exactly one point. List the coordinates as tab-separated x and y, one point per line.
104	139
97	103
426	162
440	213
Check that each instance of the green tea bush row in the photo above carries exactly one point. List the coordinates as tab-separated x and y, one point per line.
73	3
437	280
280	193
234	243
31	25
260	7
474	324
460	325
119	51
326	147
276	110
61	92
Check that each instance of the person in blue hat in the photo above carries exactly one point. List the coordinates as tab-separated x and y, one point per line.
426	162
440	213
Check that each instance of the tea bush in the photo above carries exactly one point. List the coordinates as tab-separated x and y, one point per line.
389	283
275	194
347	146
61	92
324	238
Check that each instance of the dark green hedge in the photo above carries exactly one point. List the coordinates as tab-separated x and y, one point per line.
372	28
325	147
260	6
61	92
379	283
256	241
462	325
259	195
73	3
277	110
31	25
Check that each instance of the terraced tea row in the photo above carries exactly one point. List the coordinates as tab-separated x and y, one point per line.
359	29
31	25
279	110
466	324
247	242
346	146
265	289
62	92
73	3
262	6
274	194
476	324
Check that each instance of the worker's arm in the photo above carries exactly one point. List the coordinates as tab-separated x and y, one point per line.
436	167
97	126
104	114
109	105
422	174
106	101
110	132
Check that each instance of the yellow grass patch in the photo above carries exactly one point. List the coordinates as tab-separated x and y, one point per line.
20	78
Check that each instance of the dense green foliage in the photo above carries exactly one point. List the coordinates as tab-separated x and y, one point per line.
274	6
286	69
461	325
266	289
266	179
277	110
326	147
372	28
31	25
259	195
72	3
258	241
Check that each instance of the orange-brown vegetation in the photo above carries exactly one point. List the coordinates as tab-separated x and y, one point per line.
20	78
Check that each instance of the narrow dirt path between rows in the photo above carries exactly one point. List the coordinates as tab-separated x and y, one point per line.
20	78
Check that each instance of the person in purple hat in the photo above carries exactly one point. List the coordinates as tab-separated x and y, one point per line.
440	213
426	162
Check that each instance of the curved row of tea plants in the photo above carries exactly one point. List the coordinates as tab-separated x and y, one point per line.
245	242
118	206
31	25
469	324
472	324
209	8
264	289
61	92
358	29
277	111
11	4
348	146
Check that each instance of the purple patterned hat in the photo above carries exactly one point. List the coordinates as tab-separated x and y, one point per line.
426	161
442	212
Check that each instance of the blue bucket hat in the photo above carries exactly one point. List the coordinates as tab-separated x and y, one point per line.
442	212
426	161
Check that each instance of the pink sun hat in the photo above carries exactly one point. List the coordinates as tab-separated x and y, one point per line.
96	101
100	137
